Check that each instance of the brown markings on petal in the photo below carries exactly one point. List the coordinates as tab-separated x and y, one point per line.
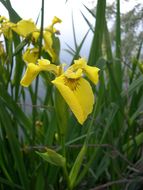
71	83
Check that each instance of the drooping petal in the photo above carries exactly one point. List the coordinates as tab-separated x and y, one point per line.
24	27
33	70
92	73
85	97
78	95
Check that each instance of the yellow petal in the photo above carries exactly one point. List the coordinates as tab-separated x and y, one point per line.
48	45
78	95
92	73
31	55
56	20
73	75
48	39
24	27
45	65
3	18
31	72
35	36
6	29
51	28
80	63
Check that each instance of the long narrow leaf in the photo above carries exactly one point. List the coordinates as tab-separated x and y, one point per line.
96	47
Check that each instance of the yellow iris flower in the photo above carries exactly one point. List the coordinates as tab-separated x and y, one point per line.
34	69
26	27
76	90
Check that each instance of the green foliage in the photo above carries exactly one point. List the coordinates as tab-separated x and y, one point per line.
42	146
52	157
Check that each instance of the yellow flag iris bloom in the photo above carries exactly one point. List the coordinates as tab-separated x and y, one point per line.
34	69
28	29
76	90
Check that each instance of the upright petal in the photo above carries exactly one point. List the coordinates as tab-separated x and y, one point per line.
80	63
56	20
90	71
51	28
48	45
31	55
73	75
78	95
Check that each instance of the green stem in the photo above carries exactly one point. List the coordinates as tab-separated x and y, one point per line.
118	66
63	145
41	29
66	177
37	79
89	132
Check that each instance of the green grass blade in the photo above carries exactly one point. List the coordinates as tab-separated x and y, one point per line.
74	33
118	66
136	84
96	47
108	44
76	166
77	53
88	23
15	110
12	185
14	144
90	11
14	17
